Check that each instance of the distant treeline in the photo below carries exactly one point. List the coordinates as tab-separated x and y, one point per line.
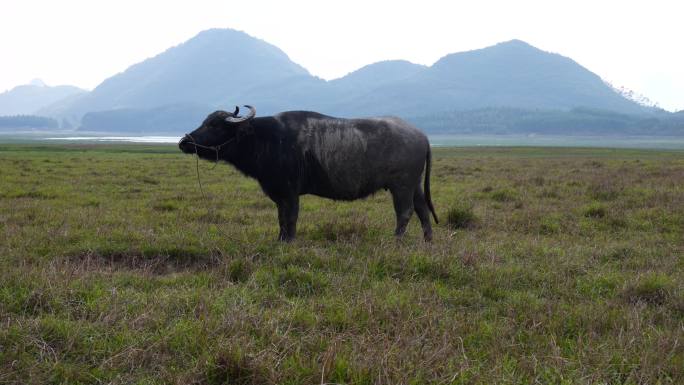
28	121
173	119
578	121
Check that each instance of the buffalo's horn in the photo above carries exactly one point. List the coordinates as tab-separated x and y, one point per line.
249	116
236	112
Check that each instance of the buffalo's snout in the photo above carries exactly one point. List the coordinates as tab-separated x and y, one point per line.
186	145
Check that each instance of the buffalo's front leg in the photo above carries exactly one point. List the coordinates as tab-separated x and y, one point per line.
288	211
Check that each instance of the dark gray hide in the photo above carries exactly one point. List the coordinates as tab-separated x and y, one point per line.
299	152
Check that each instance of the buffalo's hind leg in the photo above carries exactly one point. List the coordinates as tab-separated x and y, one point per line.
403	208
423	213
288	211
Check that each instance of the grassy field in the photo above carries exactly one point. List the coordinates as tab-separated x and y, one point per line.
552	266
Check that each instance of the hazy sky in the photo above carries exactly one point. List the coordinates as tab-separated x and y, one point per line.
636	44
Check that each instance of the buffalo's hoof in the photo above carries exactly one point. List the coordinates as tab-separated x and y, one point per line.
286	239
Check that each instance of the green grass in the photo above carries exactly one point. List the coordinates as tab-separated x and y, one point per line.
553	266
461	216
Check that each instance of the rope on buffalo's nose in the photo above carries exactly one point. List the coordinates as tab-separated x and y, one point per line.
199	181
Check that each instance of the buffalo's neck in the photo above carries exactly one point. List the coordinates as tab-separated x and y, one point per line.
244	156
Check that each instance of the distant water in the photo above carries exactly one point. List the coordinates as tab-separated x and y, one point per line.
654	142
129	139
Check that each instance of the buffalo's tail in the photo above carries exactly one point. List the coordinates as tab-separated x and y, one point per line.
426	186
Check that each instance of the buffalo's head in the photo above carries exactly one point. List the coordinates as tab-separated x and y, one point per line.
219	130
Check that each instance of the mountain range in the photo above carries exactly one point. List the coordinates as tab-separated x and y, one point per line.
502	88
29	99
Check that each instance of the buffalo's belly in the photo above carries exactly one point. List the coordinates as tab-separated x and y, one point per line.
346	192
355	183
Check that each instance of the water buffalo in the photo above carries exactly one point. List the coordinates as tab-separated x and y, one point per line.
300	152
